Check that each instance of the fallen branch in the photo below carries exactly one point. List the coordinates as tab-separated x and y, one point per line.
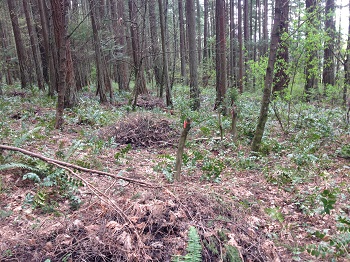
65	164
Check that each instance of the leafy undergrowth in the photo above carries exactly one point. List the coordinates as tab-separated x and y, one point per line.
288	203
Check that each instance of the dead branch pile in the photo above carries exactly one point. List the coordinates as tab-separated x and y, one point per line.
145	131
149	102
160	224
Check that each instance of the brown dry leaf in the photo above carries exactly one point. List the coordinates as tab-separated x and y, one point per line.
115	226
64	239
92	228
141	225
125	240
270	250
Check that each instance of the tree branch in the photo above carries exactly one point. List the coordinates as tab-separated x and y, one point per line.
65	164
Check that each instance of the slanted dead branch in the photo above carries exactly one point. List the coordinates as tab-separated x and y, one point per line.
69	165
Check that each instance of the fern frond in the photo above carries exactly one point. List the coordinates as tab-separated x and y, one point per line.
19	141
194	248
17	165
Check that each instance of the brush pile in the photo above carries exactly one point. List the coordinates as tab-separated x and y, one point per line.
145	130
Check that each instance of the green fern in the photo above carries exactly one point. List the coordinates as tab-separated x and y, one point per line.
194	248
28	134
18	165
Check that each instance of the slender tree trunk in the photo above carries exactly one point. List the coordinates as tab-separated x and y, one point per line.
265	23
34	44
199	32
5	56
347	67
71	93
182	41
232	77
220	57
240	43
118	17
21	52
155	50
140	82
328	64
100	66
169	102
310	49
275	38
49	53
205	33
246	31
192	50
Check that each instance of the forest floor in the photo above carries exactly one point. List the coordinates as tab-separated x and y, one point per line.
289	203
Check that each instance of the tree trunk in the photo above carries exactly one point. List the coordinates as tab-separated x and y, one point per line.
281	78
192	50
347	67
71	93
34	44
49	53
182	41
140	82
232	57
265	31
275	38
205	33
102	79
169	102
21	52
199	32
240	43
59	18
5	56
220	57
118	17
155	50
328	61
310	49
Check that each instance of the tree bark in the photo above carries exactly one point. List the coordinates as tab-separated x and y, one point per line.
310	49
21	52
347	68
102	76
240	44
199	32
182	41
155	50
275	38
165	77
140	82
193	61
281	77
118	17
180	149
34	44
60	21
49	53
265	31
328	59
220	57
